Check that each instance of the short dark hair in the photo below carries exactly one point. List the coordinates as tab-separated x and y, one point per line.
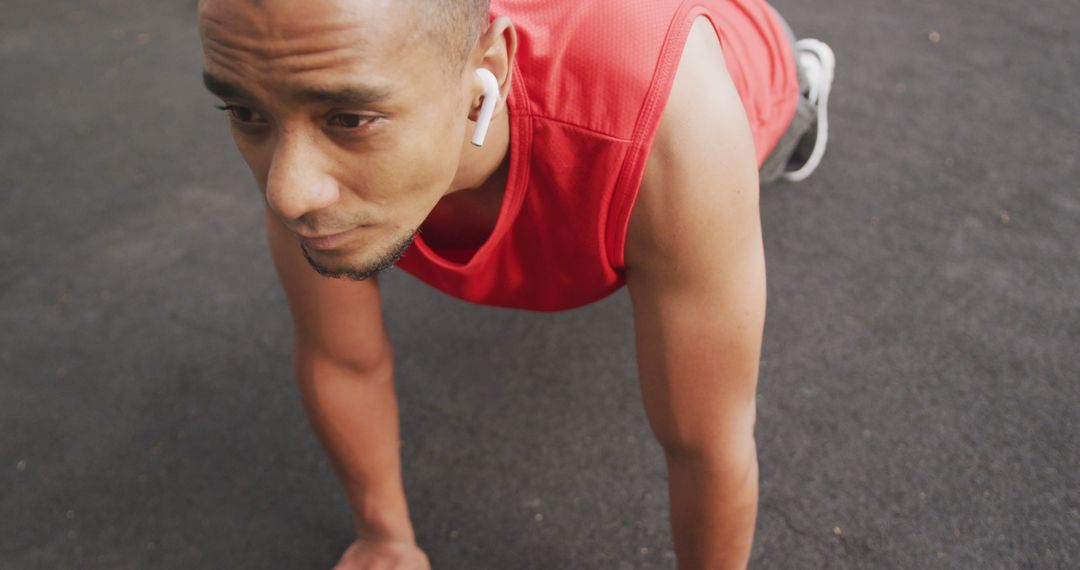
454	25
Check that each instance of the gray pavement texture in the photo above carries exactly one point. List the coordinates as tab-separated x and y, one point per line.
919	400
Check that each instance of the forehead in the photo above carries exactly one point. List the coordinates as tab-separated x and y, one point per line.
312	40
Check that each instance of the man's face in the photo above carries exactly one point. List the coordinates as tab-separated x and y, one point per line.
349	120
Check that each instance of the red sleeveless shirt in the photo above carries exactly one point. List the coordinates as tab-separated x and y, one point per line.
589	84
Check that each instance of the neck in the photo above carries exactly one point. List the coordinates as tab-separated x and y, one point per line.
485	168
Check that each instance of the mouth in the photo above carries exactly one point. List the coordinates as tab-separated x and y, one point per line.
328	241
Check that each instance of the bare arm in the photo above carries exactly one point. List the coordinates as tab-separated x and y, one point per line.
343	362
696	276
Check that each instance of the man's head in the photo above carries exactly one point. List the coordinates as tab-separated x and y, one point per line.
352	114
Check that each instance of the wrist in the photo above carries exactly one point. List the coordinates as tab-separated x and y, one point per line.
386	522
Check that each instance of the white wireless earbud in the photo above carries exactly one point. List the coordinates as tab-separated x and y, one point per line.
487	108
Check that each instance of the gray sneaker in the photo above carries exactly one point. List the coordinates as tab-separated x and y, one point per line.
818	62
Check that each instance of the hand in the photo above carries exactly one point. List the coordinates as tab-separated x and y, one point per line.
383	555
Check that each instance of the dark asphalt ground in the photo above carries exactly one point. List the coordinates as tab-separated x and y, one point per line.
919	403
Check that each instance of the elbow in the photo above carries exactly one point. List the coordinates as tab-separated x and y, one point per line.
728	444
374	365
735	457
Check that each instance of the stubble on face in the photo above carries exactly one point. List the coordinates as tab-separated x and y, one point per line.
382	262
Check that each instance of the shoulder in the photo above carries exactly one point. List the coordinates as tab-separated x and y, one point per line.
700	180
589	64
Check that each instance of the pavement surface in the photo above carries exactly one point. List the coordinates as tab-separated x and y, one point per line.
919	395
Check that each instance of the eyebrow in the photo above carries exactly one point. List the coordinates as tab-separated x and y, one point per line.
343	96
222	88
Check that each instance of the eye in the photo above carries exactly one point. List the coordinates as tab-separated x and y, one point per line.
350	121
242	114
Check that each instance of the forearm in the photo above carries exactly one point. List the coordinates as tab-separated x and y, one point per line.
355	416
713	509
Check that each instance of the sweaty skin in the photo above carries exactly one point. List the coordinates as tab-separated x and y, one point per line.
350	122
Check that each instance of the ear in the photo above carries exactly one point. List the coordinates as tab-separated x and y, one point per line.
495	51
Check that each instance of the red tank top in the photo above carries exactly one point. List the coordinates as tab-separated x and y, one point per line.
589	84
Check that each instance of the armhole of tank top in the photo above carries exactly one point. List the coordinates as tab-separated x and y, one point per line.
624	195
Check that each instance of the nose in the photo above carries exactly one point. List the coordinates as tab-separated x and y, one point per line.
297	182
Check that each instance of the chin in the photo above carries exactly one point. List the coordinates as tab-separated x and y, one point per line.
357	265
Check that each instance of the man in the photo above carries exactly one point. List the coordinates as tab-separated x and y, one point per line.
623	146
